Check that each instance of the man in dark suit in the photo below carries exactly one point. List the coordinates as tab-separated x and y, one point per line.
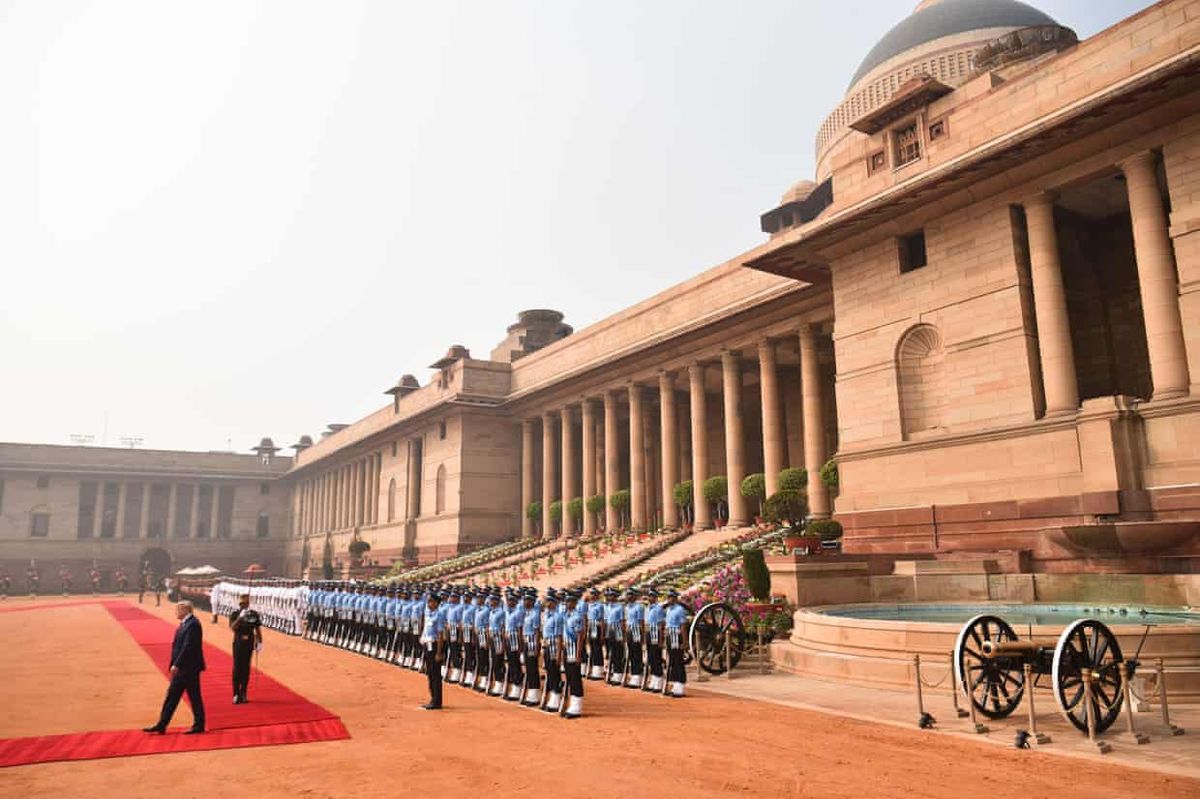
187	661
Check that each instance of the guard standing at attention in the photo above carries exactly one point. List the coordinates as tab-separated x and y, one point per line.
433	640
64	577
94	576
483	649
552	631
656	616
467	624
595	635
635	614
34	578
531	629
454	612
675	619
614	624
497	638
574	628
122	580
247	637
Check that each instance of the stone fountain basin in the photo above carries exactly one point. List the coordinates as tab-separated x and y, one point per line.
1125	538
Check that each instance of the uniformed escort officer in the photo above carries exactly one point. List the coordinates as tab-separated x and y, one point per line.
246	625
454	636
595	635
656	616
676	617
64	577
467	625
483	647
614	624
499	653
531	630
94	576
34	578
552	632
635	618
433	641
122	580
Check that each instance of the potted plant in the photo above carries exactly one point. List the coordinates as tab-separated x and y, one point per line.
620	503
825	529
533	512
575	514
792	479
595	506
789	507
758	580
716	492
683	494
556	510
754	488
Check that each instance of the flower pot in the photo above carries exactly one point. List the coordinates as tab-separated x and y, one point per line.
754	609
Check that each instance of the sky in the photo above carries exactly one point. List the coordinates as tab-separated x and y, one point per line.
227	220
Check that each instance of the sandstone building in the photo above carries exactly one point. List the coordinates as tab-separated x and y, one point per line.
985	307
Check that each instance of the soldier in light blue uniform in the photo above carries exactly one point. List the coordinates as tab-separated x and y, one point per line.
391	614
594	609
467	625
483	649
433	641
675	620
514	616
551	632
498	645
656	616
531	630
407	651
454	613
635	614
614	623
574	630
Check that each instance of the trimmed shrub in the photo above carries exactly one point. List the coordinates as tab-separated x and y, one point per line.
556	511
829	474
827	529
595	504
793	479
788	507
754	488
534	510
575	508
358	547
620	501
758	578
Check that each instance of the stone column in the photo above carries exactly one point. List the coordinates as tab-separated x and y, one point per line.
637	460
413	483
191	533
814	426
588	414
699	413
548	473
526	476
735	444
567	431
772	418
598	433
119	531
611	466
1050	307
144	519
172	509
669	446
1156	278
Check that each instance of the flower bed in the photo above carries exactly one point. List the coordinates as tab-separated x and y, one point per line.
445	568
689	572
625	564
596	545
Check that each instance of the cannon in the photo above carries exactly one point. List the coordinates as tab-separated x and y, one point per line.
707	634
990	659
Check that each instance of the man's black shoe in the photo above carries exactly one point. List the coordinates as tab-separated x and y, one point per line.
193	731
431	707
155	730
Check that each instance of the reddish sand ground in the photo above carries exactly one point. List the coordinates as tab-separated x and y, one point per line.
73	669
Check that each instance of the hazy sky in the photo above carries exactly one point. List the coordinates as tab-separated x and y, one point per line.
225	220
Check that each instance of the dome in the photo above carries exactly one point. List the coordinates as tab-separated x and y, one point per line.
937	19
798	192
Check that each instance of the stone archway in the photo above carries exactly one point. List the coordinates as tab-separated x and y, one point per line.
157	560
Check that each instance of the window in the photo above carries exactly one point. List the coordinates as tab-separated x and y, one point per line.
937	130
442	430
440	490
264	525
876	161
908	145
264	489
39	525
43	482
912	251
225	511
88	492
393	449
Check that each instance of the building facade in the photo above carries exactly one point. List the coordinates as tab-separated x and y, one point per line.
985	307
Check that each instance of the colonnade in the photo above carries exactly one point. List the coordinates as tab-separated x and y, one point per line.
664	465
341	498
131	506
1157	282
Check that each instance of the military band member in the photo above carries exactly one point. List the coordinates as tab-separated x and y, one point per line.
656	615
94	576
574	628
121	579
531	630
595	635
676	617
246	625
5	583
635	617
64	577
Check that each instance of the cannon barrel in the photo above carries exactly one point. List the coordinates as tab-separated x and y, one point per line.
997	649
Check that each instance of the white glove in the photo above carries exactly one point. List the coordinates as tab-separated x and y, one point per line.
258	647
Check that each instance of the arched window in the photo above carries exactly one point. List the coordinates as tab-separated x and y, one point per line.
391	517
440	500
920	381
264	525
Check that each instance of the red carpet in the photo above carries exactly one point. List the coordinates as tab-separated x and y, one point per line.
275	714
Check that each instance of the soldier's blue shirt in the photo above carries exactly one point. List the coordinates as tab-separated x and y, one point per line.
482	615
676	616
573	623
467	619
531	621
552	624
595	611
454	613
434	624
443	611
513	617
655	614
614	614
496	619
635	613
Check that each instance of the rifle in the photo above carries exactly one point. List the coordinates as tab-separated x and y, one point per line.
645	659
507	675
625	671
546	689
566	684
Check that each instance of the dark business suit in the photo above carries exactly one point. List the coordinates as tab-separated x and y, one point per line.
187	657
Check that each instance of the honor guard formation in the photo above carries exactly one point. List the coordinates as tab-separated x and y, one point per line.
510	644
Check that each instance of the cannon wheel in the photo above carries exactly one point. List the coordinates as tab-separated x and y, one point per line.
1088	644
993	685
714	623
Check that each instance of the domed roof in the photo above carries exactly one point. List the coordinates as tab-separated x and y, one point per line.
941	18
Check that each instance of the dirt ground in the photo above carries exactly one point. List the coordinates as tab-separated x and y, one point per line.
74	669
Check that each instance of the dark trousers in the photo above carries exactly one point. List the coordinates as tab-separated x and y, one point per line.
616	655
675	672
574	678
483	661
595	652
498	667
636	664
654	655
553	673
183	681
433	673
470	656
533	678
456	655
242	653
514	673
